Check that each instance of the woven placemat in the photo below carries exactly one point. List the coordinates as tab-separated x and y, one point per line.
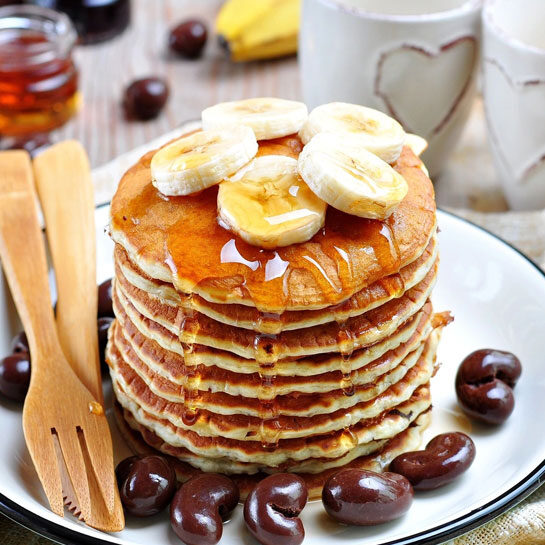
524	524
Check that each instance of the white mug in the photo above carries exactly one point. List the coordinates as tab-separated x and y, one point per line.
514	94
413	59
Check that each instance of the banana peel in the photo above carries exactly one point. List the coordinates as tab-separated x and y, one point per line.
259	29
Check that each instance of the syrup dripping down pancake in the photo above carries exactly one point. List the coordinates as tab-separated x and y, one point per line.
357	332
315	436
247	317
310	455
367	364
178	240
245	414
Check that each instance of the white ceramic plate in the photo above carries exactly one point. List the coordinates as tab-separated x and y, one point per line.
498	299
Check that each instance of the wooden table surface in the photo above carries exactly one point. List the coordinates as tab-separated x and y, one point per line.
468	181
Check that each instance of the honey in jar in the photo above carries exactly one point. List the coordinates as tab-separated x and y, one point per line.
38	78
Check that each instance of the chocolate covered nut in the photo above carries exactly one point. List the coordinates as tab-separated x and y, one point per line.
145	98
364	498
200	507
445	458
105	306
148	487
20	343
484	385
272	509
188	38
123	468
15	376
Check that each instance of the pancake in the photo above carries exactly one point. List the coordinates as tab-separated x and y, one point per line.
356	332
223	359
244	361
227	455
250	318
143	442
347	255
242	417
164	364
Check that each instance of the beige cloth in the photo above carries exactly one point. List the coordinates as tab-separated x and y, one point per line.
524	524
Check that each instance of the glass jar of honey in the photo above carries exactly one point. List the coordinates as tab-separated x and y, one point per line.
38	78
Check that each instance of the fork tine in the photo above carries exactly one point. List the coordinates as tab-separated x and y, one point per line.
100	452
75	465
102	518
46	463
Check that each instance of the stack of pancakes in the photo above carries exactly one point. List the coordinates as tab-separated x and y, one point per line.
246	361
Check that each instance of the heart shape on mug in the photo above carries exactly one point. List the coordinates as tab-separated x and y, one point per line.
422	87
517	127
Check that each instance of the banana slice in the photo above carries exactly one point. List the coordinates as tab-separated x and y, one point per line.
377	132
267	117
350	178
202	159
268	204
417	144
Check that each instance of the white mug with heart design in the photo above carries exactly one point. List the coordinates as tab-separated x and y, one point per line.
514	93
413	59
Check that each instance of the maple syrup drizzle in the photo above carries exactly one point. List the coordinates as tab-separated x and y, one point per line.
96	408
269	433
394	285
230	254
190	412
275	268
348	436
189	328
269	322
202	255
347	343
269	429
266	348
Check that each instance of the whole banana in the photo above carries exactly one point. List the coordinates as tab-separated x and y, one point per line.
259	29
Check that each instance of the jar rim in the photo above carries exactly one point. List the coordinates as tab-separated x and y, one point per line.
56	27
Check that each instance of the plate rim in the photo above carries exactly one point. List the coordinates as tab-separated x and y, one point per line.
433	536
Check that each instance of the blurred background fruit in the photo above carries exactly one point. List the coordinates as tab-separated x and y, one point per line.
188	38
144	98
251	30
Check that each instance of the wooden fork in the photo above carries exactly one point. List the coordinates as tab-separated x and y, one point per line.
60	415
63	179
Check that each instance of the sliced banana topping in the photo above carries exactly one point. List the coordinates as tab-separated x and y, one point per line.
377	132
417	144
267	117
350	178
202	159
269	205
